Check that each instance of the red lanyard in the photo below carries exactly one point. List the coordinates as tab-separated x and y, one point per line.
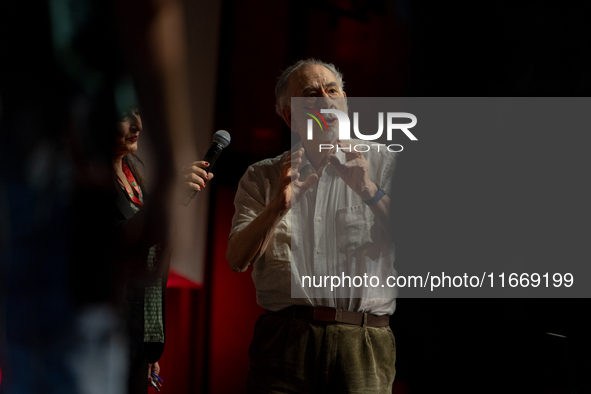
133	183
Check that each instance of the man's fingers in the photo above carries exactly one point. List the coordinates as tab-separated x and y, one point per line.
291	162
309	182
286	166
295	163
285	180
296	157
348	148
336	163
297	154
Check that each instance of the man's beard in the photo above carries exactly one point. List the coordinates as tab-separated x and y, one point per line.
331	134
327	136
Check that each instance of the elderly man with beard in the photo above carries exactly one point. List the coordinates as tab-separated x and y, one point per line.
315	212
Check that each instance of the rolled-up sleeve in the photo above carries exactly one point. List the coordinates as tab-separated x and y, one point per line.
249	201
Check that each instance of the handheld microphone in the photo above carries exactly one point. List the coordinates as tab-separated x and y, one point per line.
221	139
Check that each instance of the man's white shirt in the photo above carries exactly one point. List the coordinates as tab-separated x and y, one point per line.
329	232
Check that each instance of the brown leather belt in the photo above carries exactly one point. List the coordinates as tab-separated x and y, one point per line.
332	315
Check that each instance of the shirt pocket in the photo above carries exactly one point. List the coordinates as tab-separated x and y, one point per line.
280	242
353	228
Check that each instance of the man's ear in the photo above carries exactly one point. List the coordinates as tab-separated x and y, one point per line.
344	94
286	115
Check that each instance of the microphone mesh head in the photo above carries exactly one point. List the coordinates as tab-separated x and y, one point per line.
222	137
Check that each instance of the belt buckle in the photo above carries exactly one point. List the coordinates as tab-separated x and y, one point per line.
324	313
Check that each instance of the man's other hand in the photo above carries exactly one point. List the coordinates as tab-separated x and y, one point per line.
355	171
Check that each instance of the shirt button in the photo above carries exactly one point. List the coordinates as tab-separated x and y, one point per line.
319	219
318	252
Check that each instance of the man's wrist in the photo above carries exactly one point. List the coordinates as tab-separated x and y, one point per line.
369	192
278	208
376	197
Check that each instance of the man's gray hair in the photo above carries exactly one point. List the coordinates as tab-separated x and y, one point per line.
282	87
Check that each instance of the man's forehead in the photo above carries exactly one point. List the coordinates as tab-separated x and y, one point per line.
311	75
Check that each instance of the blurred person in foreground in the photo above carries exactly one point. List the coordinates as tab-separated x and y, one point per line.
144	261
61	91
293	213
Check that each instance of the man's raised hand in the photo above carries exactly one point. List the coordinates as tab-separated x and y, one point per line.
290	189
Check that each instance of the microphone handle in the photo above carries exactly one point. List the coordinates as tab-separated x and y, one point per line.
211	156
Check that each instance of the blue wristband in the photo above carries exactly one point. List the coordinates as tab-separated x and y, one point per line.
377	197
